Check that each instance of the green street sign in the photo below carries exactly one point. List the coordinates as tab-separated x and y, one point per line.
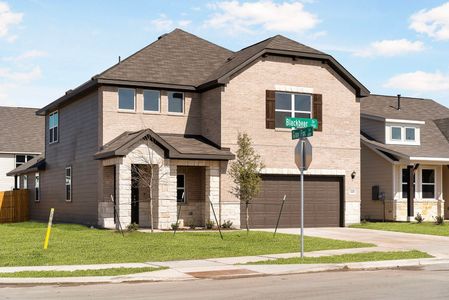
301	122
302	133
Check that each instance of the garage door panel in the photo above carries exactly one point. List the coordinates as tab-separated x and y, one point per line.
322	202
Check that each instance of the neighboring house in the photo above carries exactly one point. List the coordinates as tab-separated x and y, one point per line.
405	158
189	99
21	138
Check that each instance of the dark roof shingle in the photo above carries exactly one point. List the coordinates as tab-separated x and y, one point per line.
21	130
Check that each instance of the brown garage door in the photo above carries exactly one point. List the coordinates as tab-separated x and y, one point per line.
322	202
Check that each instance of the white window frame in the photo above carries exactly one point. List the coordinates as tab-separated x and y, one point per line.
50	132
37	196
403	141
183	103
183	188
402	183
293	110
118	101
434	184
25	181
70	184
159	102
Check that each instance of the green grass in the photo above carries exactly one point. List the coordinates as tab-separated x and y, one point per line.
80	273
21	245
423	228
346	258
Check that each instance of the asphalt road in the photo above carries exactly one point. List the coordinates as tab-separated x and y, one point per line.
415	283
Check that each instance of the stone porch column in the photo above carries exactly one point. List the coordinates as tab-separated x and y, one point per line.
212	193
123	193
167	205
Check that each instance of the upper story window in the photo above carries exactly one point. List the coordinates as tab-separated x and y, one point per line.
402	134
175	102
291	105
151	100
53	127
126	99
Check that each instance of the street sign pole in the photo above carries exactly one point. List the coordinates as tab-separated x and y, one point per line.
302	197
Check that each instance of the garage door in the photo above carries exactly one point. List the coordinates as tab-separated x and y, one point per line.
322	207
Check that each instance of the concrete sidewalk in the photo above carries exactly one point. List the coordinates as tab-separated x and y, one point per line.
228	268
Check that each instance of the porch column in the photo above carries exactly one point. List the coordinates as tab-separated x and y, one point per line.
410	192
212	193
123	193
167	205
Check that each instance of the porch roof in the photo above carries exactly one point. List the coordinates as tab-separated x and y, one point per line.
175	146
33	165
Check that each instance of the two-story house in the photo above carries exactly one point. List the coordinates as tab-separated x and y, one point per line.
180	102
21	139
405	158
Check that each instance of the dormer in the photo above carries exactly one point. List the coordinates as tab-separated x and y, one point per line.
392	131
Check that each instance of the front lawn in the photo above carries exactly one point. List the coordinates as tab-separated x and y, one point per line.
346	258
423	228
80	273
21	245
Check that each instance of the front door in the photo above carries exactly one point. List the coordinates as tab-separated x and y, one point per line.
134	196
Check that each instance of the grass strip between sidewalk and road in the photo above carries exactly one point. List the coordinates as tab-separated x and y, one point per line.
21	245
429	228
346	258
80	273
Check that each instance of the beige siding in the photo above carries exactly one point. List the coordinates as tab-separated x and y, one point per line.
373	128
78	142
337	147
375	171
115	122
7	164
211	114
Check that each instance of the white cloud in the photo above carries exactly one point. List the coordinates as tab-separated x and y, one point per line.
30	75
8	19
433	22
391	48
163	23
236	17
420	81
25	55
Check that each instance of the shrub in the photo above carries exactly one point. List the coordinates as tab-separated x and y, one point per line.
175	226
191	225
227	224
419	218
132	227
210	224
439	220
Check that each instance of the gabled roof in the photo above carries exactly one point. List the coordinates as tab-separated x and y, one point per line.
33	165
21	131
180	60
175	146
434	132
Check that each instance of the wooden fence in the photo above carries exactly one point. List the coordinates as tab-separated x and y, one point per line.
14	206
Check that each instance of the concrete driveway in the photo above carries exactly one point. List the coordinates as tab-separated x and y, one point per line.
437	246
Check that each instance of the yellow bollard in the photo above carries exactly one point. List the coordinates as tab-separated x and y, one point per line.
50	221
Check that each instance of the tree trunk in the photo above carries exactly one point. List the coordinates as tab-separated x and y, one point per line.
247	216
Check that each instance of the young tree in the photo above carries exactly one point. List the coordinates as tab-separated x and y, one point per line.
245	172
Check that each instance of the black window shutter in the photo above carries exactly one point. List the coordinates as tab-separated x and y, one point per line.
318	110
270	108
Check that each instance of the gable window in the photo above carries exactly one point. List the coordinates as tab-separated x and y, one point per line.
126	99
151	100
53	126
180	188
405	176
410	134
291	105
396	133
68	184
36	188
428	183
175	102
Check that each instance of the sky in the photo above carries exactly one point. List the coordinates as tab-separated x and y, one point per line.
392	47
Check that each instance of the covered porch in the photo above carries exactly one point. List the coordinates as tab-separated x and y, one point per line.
158	178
